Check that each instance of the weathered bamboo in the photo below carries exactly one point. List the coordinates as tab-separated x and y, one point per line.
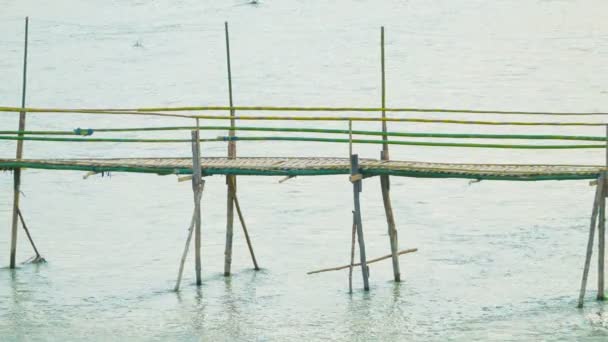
188	239
384	179
601	229
599	191
230	179
19	155
38	257
384	257
246	233
196	188
357	188
352	256
602	237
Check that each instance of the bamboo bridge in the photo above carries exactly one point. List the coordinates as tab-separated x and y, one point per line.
196	167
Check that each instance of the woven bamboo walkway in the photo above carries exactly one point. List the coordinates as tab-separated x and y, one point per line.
273	166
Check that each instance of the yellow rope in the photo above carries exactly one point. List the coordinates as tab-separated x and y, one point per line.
143	111
295	109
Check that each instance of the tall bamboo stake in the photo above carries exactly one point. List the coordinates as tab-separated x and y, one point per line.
599	191
230	179
357	188
196	189
384	179
19	155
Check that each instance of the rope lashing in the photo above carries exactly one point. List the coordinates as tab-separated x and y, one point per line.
83	132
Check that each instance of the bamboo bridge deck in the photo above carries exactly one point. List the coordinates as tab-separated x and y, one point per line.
289	166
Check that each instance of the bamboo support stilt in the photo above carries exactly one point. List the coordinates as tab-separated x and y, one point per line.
246	233
19	155
196	188
601	241
357	188
188	240
385	179
599	191
38	257
352	256
230	179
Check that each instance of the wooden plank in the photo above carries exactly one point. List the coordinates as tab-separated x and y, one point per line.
19	155
599	191
196	189
354	162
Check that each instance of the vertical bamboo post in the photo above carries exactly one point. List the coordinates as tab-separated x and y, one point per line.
196	189
602	235
599	191
384	179
357	188
188	239
19	155
230	179
352	255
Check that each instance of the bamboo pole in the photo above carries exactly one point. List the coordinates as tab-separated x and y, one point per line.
599	191
196	188
602	236
230	179
19	155
188	239
384	179
357	188
38	257
352	256
601	229
246	233
384	257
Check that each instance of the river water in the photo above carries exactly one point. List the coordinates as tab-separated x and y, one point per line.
496	260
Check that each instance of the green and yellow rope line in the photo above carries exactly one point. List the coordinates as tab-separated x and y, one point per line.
291	109
305	139
145	112
324	131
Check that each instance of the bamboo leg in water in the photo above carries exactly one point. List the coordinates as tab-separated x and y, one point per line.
354	171
196	187
390	219
38	258
352	256
249	245
19	155
188	239
230	181
598	193
601	230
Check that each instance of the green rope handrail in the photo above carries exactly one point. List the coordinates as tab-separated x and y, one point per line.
145	112
308	139
325	131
